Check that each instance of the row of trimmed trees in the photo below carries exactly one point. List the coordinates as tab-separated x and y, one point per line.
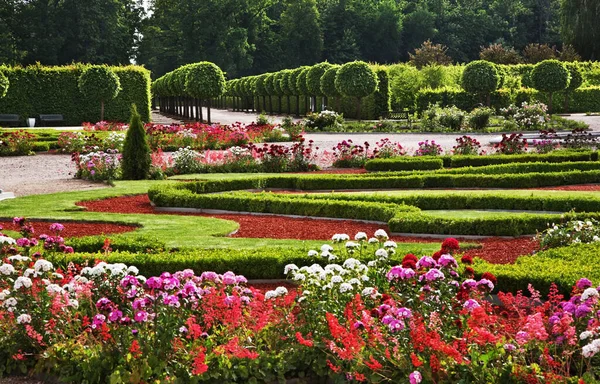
183	91
483	78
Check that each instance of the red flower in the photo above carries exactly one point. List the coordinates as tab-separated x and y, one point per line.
199	362
373	364
135	349
436	256
466	259
303	341
450	244
359	377
334	368
470	271
415	360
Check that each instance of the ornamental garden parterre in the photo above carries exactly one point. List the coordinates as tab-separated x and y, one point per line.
247	253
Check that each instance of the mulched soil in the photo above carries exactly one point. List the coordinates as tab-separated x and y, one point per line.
582	187
495	250
74	229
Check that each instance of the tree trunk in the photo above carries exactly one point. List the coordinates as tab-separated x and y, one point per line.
101	110
200	102
270	105
279	109
566	106
358	108
297	106
489	100
197	109
325	102
208	111
288	104
550	106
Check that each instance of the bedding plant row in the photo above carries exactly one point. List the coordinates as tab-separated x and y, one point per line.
424	320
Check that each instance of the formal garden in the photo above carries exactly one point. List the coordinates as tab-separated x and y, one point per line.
247	253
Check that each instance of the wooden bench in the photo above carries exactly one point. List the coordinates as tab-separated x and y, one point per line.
44	119
10	119
399	115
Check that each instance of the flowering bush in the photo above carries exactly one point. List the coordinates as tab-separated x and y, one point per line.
362	319
186	160
437	118
528	116
580	138
427	148
571	232
511	144
105	126
16	143
479	118
544	145
466	145
385	148
114	141
346	154
98	166
324	121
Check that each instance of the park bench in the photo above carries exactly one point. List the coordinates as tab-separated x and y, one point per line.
9	119
49	118
398	115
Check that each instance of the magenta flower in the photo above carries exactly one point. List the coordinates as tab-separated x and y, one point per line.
471	304
447	261
114	316
415	377
401	273
97	321
141	316
104	304
154	283
433	274
171	301
229	278
583	283
128	281
485	284
426	262
57	227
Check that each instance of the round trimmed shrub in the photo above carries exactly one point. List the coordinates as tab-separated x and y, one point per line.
99	83
293	80
284	83
356	79
301	82
259	85
550	76
136	151
270	84
4	84
328	87
480	77
576	77
204	80
278	91
313	78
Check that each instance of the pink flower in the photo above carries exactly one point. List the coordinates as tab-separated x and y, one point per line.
415	377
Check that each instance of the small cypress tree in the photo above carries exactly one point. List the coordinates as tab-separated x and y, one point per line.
136	151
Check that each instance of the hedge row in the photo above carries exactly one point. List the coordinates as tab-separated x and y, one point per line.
552	157
562	266
38	90
404	164
540	167
137	244
580	100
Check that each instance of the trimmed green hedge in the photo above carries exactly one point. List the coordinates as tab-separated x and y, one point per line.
446	97
404	164
553	157
38	90
563	266
137	244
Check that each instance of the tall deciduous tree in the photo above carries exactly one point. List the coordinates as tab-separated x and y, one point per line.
301	34
580	26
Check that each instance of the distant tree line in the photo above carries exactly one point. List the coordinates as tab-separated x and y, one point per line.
246	37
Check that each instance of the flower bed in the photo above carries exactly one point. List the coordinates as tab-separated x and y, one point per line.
426	320
76	229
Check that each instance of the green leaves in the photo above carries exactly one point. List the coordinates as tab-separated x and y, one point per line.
99	83
356	79
204	80
4	84
480	77
313	78
550	76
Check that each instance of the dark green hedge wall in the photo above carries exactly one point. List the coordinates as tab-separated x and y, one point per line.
38	90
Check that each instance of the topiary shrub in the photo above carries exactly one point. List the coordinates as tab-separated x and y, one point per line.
356	79
293	84
4	84
284	84
481	77
99	83
313	78
550	76
328	84
574	83
205	80
136	151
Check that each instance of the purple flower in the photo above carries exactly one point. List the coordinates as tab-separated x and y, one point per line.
171	301
23	242
141	316
583	283
98	320
582	310
103	304
469	284
229	278
128	281
210	276
434	274
358	325
170	283
114	316
415	377
154	283
57	227
400	273
510	347
241	279
447	261
567	306
426	262
485	284
471	304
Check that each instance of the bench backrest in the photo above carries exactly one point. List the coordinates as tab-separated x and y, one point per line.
54	117
9	117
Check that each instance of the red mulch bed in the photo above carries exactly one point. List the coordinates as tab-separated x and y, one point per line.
74	229
581	187
494	250
334	171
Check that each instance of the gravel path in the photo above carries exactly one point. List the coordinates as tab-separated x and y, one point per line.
39	174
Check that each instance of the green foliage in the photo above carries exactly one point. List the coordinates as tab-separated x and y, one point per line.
259	85
204	80
301	86
575	75
327	82
499	54
430	53
553	157
404	164
118	243
356	79
270	84
293	80
284	82
4	84
99	83
480	77
550	76
479	118
277	89
136	151
313	78
36	89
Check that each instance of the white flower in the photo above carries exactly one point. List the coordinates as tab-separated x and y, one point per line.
7	240
372	263
18	258
270	295
336	279
352	245
81	279
4	294
364	278
368	291
390	244
354	281
42	266
281	291
23	282
58	276
381	253
313	253
299	276
74	303
133	270
345	287
10	302
586	335
332	257
360	236
351	263
590	292
24	319
326	248
30	272
54	288
116	269
373	240
590	350
7	269
380	233
290	267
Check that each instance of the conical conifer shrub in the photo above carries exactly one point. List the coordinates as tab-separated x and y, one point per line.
136	151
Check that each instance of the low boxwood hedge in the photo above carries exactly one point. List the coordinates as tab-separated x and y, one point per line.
562	266
404	164
552	157
137	244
